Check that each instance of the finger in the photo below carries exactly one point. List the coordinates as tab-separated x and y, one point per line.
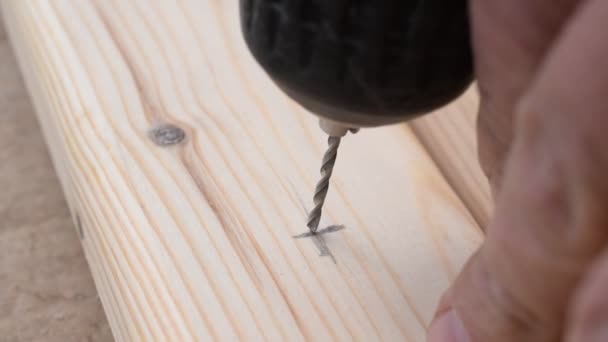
511	38
589	319
550	221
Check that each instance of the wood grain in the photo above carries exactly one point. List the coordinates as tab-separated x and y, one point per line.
450	138
194	241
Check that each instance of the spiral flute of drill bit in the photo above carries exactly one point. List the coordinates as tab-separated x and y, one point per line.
327	167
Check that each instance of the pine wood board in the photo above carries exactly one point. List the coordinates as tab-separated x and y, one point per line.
450	137
194	241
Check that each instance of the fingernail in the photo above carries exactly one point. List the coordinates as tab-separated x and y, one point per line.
448	328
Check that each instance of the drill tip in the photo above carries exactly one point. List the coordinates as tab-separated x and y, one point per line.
327	167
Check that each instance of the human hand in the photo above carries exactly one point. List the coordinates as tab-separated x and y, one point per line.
542	273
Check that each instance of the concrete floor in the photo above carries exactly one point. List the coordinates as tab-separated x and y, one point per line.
46	290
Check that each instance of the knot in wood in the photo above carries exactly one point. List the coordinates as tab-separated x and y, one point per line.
167	135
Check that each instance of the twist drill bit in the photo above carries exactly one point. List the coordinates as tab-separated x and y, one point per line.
327	167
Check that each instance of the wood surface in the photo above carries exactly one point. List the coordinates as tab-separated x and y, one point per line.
46	289
450	137
194	241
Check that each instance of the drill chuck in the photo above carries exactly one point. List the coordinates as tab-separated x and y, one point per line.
362	63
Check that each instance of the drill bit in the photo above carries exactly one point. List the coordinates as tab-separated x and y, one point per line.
327	167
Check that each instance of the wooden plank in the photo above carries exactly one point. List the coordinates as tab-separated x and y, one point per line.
193	241
449	136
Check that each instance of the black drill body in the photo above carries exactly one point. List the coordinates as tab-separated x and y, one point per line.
363	62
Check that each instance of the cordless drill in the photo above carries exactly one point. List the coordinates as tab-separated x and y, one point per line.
361	63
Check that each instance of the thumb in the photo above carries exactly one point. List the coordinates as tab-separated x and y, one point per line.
550	221
517	286
548	227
